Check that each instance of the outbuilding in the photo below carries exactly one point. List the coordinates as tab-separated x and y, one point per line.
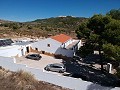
8	48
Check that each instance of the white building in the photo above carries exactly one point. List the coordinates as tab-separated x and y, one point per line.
8	48
58	45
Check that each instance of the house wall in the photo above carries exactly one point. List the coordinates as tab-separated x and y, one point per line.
69	52
55	47
68	42
64	45
15	50
80	44
43	45
23	47
77	46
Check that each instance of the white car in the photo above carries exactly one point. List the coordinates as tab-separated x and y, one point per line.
56	67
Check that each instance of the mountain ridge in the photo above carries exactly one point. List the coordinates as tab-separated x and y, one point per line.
43	27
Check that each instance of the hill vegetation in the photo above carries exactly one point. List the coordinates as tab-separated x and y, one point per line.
41	27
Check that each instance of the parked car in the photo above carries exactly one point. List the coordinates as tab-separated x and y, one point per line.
34	56
56	67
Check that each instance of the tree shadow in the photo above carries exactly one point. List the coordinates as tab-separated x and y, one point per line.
97	87
90	74
92	59
95	59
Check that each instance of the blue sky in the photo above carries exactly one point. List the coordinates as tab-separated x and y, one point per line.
27	10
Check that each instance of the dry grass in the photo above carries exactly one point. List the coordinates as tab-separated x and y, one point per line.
22	80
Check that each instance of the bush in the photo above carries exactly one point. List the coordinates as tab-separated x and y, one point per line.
26	76
22	80
118	73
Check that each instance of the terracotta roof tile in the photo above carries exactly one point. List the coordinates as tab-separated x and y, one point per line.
61	38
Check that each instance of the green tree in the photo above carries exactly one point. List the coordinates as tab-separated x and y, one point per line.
115	14
97	32
112	51
112	32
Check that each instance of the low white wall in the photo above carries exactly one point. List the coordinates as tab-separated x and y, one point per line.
9	51
10	63
7	59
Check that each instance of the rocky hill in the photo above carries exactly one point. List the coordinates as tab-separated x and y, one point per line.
41	27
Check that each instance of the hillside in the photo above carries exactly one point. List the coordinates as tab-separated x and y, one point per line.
5	21
61	22
41	27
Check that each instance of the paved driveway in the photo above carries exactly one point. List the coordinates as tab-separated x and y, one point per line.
67	82
45	60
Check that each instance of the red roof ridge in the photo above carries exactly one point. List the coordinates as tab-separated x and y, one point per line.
61	38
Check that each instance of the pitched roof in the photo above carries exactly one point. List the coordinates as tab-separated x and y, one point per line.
61	38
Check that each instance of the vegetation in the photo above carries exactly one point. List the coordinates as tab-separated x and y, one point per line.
23	81
115	14
118	73
42	27
102	33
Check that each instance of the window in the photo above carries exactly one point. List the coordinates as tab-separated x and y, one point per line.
48	45
32	55
43	52
56	67
36	49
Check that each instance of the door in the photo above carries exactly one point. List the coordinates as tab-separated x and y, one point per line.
27	49
56	68
43	52
22	53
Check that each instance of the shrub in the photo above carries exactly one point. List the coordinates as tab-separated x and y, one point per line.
26	76
118	73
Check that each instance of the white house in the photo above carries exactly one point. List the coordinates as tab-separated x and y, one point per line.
8	48
58	45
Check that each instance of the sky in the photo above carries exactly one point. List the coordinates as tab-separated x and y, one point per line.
28	10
